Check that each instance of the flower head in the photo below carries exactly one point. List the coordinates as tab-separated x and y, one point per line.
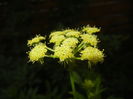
71	32
57	39
36	39
37	52
94	55
63	52
90	30
56	33
71	42
91	39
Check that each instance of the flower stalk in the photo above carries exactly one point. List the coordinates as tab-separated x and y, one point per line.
72	85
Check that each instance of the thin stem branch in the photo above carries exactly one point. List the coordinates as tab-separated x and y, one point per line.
50	49
79	47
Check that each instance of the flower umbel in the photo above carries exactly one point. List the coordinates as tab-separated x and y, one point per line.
90	30
37	52
56	33
72	33
71	42
63	52
91	39
36	39
57	39
68	44
92	54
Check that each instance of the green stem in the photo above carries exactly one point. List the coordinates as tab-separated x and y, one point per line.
50	49
80	46
72	85
89	64
78	58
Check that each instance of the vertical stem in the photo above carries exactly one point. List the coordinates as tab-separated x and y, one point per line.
72	85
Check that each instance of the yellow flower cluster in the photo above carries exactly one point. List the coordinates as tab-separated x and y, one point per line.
71	42
36	39
63	52
90	30
37	52
56	33
68	44
91	39
73	33
92	54
57	39
65	41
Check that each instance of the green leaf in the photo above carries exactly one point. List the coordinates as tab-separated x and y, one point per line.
76	77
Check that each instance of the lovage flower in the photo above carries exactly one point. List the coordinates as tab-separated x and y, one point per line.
37	52
91	39
71	42
56	33
36	39
92	54
57	39
63	52
90	30
72	33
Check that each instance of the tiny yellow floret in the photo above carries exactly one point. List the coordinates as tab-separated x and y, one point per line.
71	42
37	52
94	55
90	30
91	39
63	52
36	39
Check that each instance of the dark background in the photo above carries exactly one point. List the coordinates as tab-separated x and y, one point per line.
21	20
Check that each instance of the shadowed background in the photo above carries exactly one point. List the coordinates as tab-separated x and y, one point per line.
21	20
